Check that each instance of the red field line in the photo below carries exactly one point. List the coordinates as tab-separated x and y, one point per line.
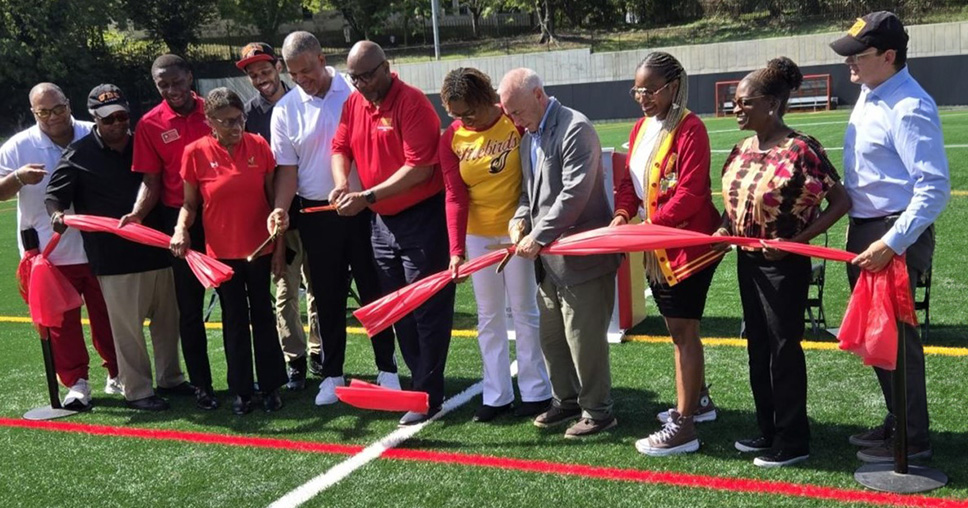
666	478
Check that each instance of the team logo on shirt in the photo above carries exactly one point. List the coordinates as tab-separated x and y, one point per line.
169	136
214	164
498	163
498	150
252	161
386	124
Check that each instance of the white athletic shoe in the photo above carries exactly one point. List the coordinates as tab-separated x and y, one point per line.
327	390
705	410
388	380
79	396
113	386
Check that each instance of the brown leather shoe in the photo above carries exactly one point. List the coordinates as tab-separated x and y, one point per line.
556	416
588	427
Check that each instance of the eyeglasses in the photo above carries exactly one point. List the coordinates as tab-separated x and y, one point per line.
120	116
461	116
229	123
854	58
57	110
635	93
365	77
745	102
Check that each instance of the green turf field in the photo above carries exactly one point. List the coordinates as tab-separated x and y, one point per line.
42	468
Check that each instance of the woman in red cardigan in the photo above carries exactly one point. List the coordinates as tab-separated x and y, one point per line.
668	184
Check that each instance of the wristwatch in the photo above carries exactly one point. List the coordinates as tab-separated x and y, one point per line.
369	196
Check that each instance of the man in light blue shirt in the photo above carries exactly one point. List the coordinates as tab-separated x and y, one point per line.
896	173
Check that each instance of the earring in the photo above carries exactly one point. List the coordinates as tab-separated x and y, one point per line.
771	113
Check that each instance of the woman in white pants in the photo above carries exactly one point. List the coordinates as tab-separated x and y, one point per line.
482	174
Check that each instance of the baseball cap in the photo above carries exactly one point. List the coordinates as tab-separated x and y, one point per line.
255	52
881	30
105	100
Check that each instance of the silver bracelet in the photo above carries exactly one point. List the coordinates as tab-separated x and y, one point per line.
16	176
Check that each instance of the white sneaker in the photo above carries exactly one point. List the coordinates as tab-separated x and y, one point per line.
705	410
388	380
327	390
113	386
78	397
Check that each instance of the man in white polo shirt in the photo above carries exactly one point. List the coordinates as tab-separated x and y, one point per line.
303	124
26	163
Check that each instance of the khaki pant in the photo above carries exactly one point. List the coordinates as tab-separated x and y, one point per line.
131	298
289	323
574	341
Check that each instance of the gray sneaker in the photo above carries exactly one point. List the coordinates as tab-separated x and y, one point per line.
705	411
678	435
588	427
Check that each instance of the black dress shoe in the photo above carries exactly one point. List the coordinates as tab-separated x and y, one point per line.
151	403
297	374
487	413
205	399
183	389
532	408
316	364
242	405
272	401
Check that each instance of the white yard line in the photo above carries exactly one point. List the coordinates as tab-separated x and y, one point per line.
315	486
838	148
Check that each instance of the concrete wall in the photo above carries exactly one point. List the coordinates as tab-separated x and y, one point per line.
597	83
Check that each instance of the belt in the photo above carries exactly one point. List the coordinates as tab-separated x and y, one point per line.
867	220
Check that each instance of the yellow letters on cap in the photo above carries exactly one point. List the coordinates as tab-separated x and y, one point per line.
858	26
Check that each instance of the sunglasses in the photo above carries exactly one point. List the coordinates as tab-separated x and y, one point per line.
745	102
112	119
44	114
365	77
636	92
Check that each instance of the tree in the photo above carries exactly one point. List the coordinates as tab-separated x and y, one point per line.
50	40
363	16
266	15
479	9
176	22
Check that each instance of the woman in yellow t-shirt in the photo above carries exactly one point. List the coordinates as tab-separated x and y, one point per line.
482	175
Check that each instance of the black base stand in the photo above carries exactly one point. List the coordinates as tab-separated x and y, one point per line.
54	410
899	477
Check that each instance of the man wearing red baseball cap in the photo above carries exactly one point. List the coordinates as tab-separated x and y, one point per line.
259	61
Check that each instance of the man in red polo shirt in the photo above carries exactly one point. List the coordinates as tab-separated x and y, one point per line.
159	140
391	131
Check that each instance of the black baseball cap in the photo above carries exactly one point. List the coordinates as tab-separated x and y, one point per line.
105	100
255	52
881	30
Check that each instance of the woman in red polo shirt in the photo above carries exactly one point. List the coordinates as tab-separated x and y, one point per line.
230	175
668	180
482	176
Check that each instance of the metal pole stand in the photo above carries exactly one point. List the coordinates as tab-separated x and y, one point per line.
54	410
900	477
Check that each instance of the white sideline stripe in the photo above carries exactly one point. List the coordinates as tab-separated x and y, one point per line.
813	124
315	486
838	148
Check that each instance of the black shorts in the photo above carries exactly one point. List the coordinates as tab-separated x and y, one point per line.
687	299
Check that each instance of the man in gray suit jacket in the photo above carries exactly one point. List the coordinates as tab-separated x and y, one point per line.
563	193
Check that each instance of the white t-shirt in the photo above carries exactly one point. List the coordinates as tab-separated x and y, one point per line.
640	157
34	147
303	127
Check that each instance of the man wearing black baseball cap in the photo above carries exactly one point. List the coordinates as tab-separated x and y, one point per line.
95	177
896	173
258	60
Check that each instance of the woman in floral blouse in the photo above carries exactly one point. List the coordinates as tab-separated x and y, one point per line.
773	184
